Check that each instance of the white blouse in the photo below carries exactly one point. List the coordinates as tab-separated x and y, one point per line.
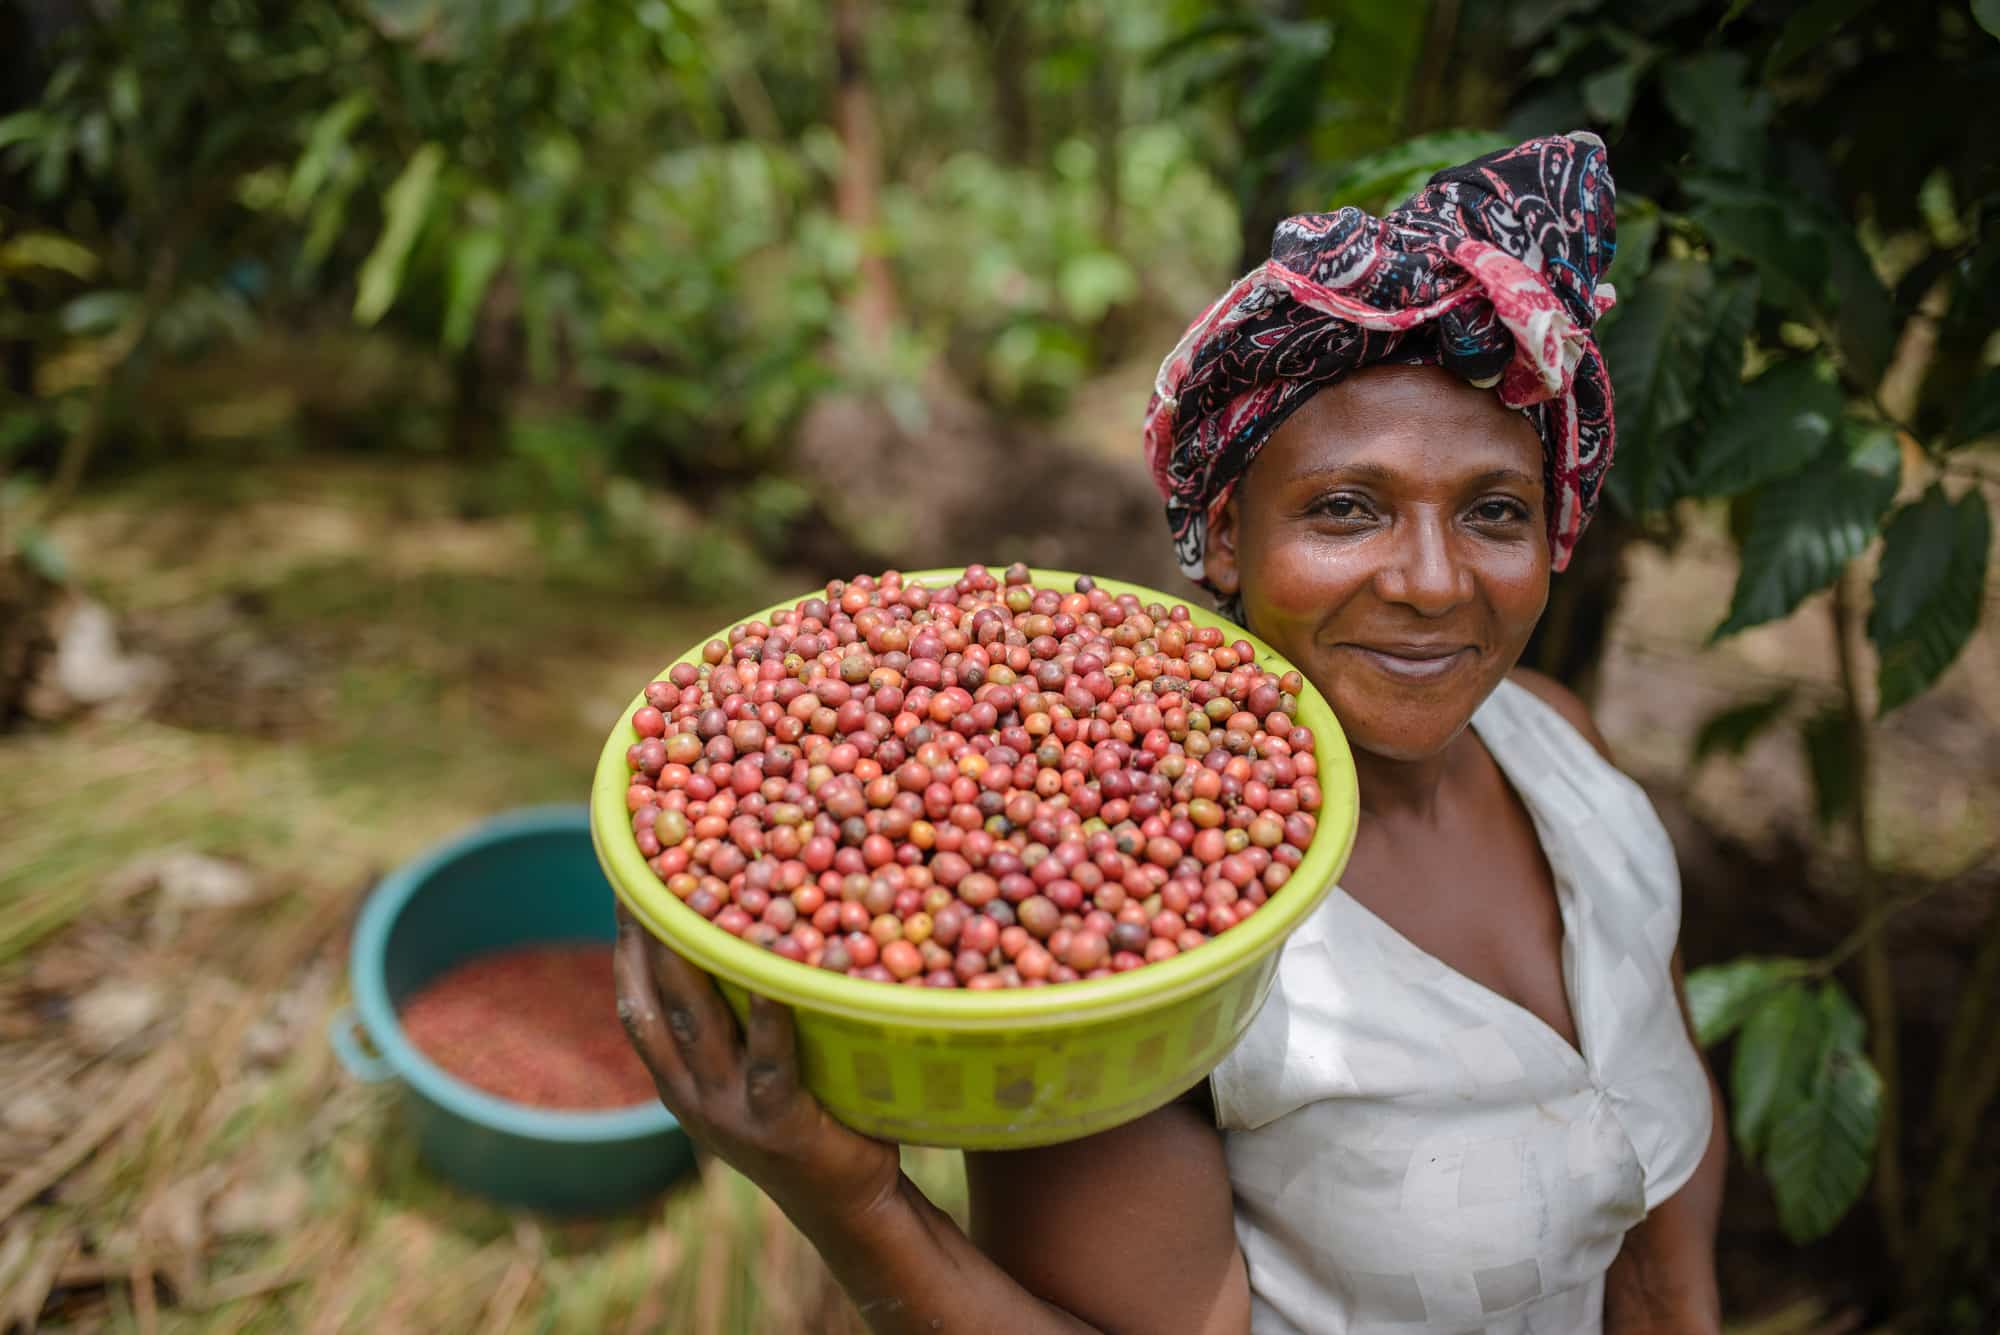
1412	1152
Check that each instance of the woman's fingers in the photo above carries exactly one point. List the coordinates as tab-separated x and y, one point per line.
771	1071
697	1020
640	1011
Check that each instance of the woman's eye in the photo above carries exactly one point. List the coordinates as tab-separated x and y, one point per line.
1342	507
1500	512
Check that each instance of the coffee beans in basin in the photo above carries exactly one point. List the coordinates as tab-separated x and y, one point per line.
985	784
534	1025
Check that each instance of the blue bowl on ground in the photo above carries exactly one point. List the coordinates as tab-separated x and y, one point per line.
525	878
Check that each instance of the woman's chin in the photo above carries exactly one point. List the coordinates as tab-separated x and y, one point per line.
1407	731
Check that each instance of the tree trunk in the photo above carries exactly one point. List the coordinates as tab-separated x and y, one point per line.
26	640
1428	97
1006	34
872	304
1265	204
1878	994
1575	631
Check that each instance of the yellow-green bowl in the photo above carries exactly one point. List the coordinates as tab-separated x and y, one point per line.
1013	1068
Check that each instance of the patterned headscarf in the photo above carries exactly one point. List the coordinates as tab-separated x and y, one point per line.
1490	271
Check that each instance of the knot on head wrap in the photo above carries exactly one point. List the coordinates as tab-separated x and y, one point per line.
1492	271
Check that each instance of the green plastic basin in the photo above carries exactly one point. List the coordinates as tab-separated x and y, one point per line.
525	878
1006	1069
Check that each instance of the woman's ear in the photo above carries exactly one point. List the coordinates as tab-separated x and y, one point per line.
1219	560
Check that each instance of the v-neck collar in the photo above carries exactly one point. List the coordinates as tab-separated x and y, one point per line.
1548	834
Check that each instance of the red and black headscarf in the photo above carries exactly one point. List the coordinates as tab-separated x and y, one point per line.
1491	271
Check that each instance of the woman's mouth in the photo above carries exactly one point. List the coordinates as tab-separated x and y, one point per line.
1415	662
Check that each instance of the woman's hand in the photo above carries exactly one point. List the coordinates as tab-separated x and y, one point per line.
738	1093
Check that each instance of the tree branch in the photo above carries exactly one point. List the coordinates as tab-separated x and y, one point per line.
1877	988
1968	1083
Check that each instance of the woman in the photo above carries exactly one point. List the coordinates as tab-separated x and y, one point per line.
1471	1101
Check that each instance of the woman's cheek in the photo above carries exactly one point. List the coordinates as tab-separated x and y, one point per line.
1302	579
1518	588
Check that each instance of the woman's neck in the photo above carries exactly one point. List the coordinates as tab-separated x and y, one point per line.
1400	790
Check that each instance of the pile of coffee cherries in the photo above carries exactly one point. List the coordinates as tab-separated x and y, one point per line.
984	784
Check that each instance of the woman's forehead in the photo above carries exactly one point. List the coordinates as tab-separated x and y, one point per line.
1403	420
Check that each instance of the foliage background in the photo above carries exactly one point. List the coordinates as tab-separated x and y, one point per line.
381	368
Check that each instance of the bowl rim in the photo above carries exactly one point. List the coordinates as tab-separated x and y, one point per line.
1086	1001
369	984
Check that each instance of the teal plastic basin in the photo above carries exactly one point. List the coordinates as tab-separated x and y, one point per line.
527	877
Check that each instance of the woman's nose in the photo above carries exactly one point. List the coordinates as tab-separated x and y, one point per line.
1424	571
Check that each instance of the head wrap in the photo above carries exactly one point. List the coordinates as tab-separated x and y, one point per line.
1490	271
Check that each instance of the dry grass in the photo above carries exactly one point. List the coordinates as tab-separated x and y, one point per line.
358	673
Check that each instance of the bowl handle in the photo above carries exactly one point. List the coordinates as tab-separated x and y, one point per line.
342	1033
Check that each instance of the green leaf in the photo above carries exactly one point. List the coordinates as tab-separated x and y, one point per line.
1092	282
1553	55
475	258
20	428
1402	170
1844	1029
97	312
1828	738
1653	349
1527	20
1929	590
1781	421
327	218
1866	319
1210	31
1707	94
1731	730
1286	94
1808	29
1806	527
1786	245
407	205
1608	94
1722	996
25	126
1979	417
1822	1151
1987	14
48	250
1731	315
124	99
1776	1055
1812	264
44	557
324	143
1822	1136
398	19
1664	13
1638	234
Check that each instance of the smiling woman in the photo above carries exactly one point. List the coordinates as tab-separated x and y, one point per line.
1483	1019
1471	1100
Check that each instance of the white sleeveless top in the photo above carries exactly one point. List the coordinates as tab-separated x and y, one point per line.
1412	1152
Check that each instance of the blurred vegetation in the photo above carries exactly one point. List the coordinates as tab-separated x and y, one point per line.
612	225
603	258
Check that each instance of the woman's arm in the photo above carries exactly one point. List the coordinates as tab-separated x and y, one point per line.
1664	1277
1147	1206
1127	1232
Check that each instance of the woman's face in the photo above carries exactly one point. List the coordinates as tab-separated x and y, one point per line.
1390	541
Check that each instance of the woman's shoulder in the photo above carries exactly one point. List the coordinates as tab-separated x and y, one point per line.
1566	703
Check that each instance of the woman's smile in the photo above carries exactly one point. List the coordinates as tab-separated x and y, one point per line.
1413	662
